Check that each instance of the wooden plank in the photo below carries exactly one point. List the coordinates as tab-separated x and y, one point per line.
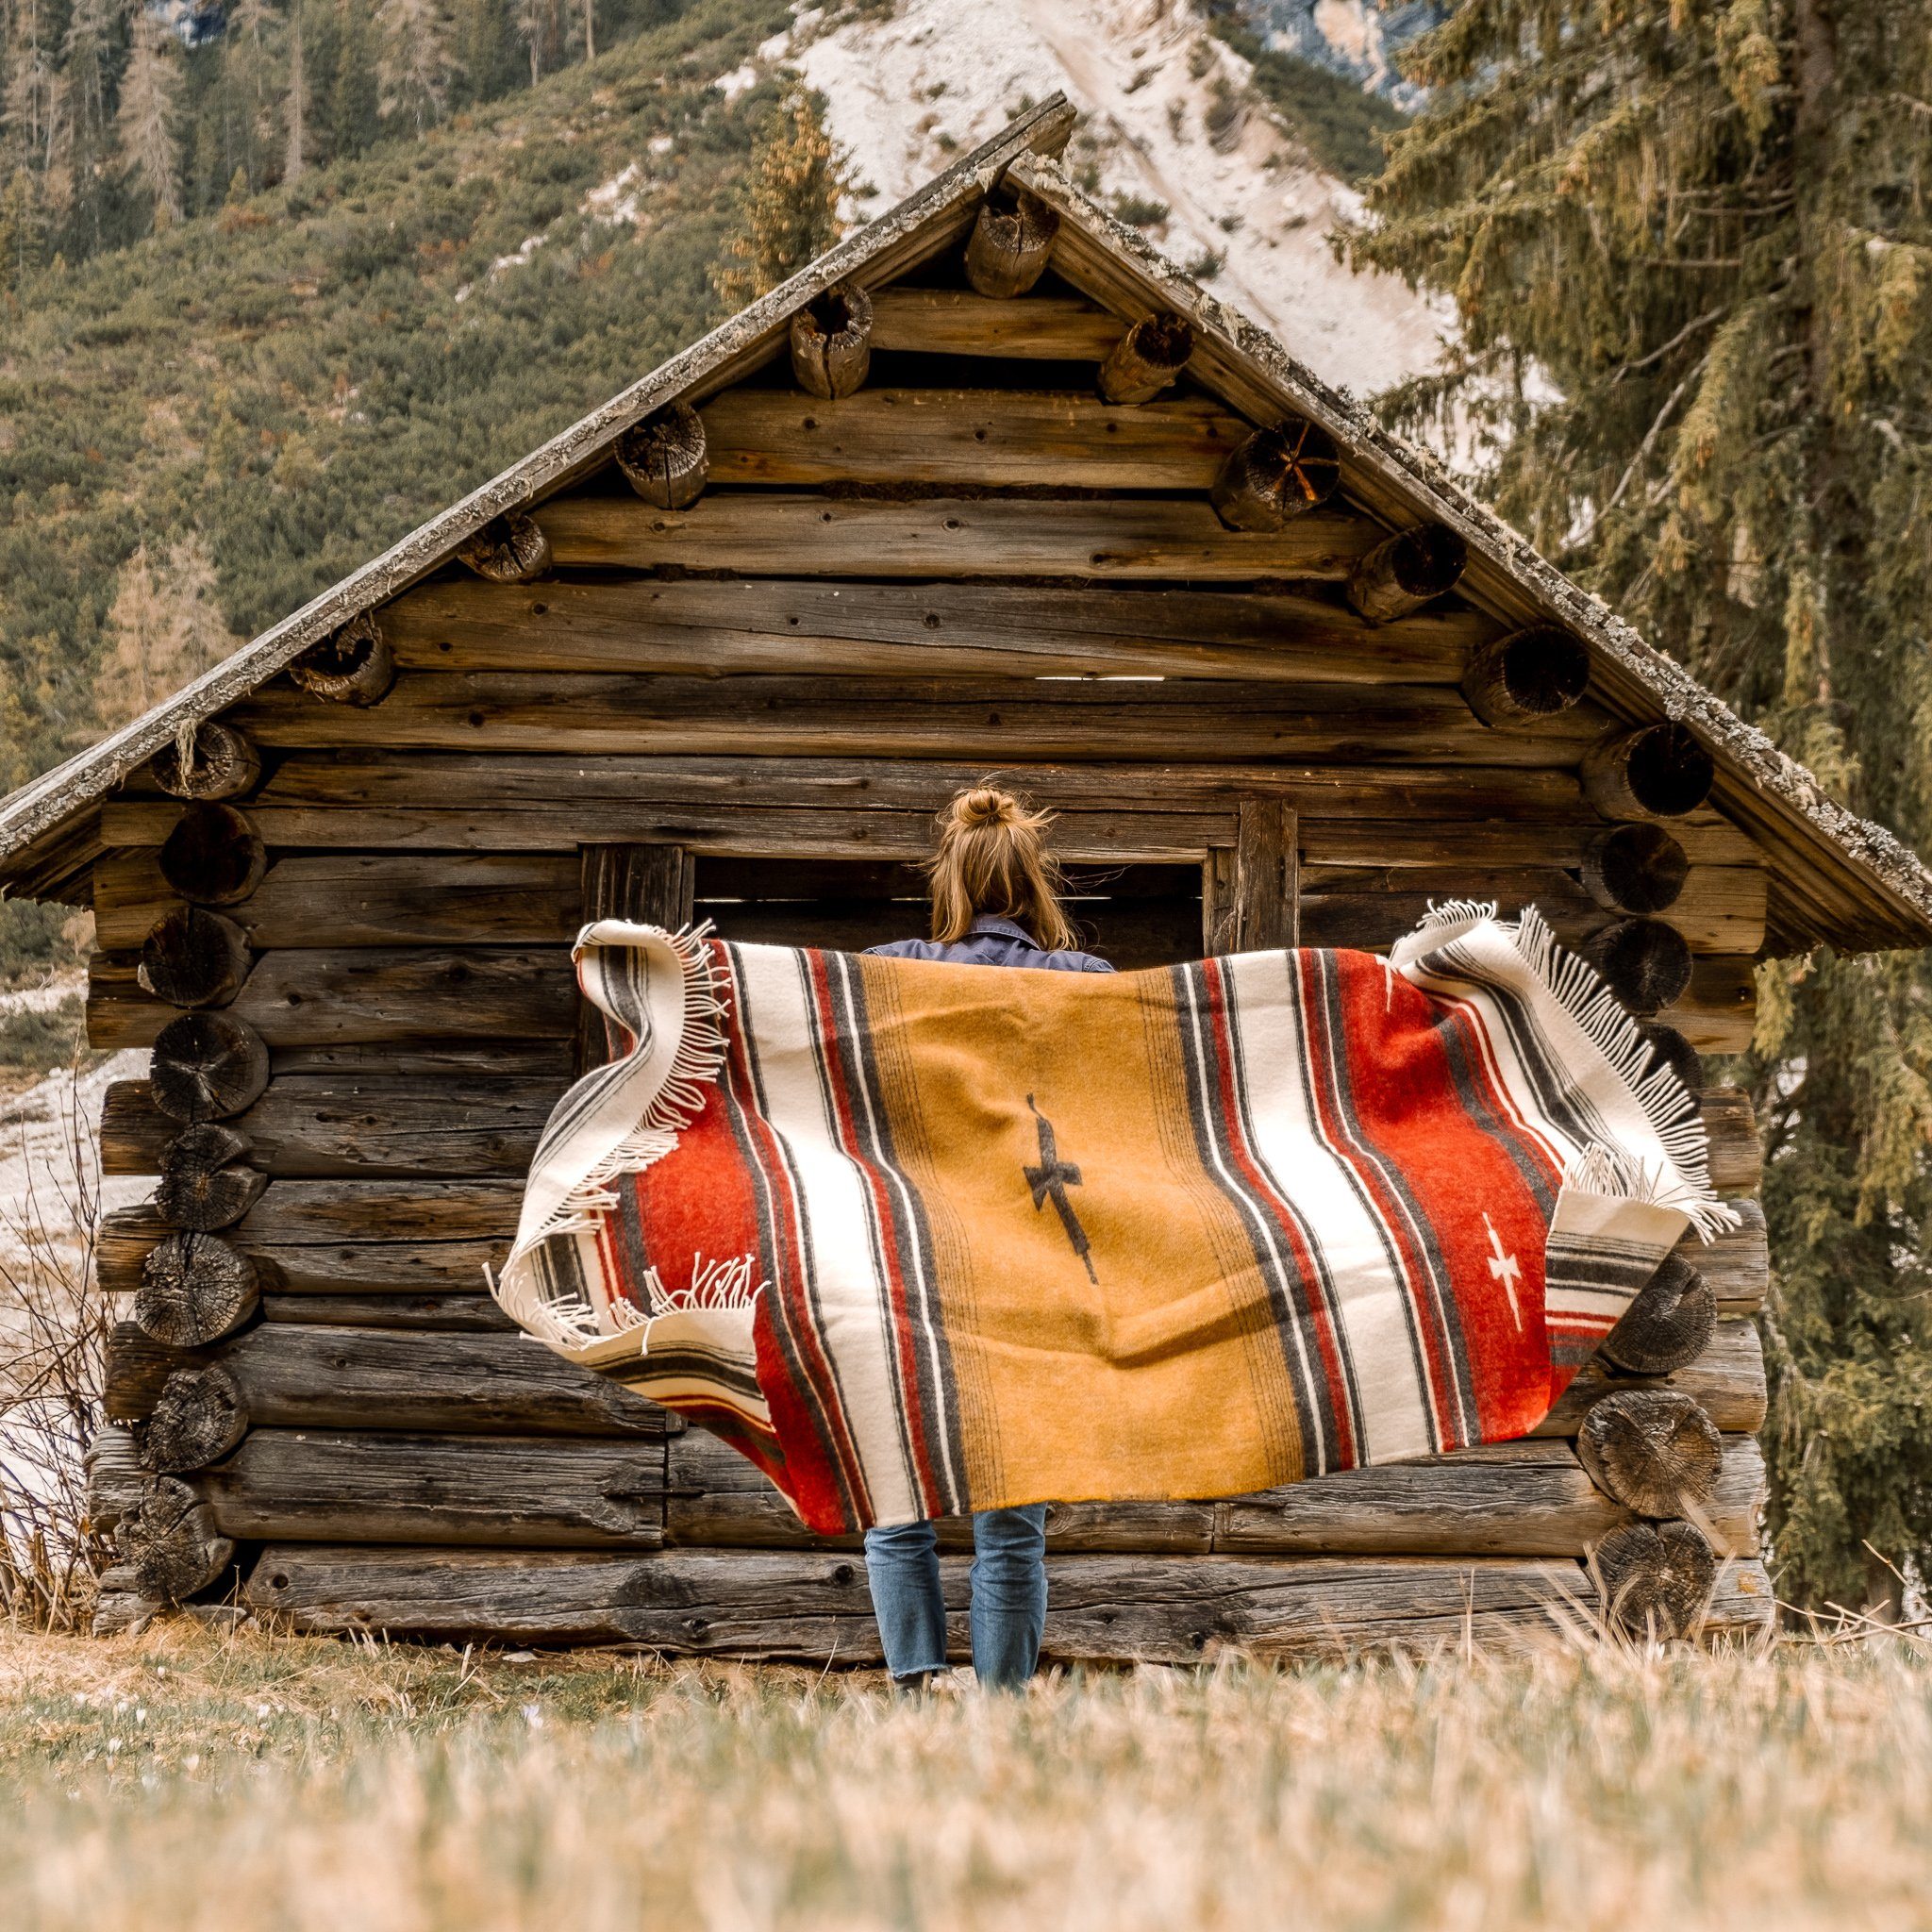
957	322
511	898
363	899
768	533
816	1605
298	1375
983	438
712	626
505	1491
1265	896
1516	1499
1737	1263
1127	720
451	1313
302	997
1737	1156
323	1126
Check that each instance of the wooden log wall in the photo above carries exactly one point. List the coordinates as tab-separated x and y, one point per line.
739	670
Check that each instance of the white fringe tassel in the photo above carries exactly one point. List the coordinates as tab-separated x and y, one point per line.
569	1319
1669	1105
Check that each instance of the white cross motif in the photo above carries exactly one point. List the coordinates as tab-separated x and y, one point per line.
1506	1269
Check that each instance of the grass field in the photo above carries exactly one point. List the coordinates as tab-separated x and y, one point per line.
185	1779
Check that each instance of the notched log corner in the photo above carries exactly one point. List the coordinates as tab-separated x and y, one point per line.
831	342
1656	1578
194	1288
664	459
171	1543
198	1418
355	666
214	855
205	1183
193	958
206	1067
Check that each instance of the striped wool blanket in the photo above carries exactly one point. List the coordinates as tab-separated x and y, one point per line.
921	1239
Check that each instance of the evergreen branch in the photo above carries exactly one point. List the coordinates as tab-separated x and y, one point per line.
1683	335
1648	446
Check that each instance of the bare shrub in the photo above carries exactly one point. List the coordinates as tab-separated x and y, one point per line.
54	1324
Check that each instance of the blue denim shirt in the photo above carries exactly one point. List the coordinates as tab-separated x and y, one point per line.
994	941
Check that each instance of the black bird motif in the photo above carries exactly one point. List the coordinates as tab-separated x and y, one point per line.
1050	1180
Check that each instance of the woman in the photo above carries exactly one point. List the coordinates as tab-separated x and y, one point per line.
995	902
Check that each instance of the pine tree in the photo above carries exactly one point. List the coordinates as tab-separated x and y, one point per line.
165	629
295	104
418	60
353	99
150	92
1691	250
788	206
19	229
87	55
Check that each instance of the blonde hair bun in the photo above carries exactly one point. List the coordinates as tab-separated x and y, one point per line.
992	857
986	805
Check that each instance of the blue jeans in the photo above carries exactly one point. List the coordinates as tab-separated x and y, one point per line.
1008	1584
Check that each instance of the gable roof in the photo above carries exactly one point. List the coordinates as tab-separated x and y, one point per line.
1833	876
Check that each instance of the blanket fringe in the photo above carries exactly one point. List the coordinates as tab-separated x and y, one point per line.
1669	1105
566	1316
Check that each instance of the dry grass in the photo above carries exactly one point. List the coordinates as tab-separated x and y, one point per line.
179	1779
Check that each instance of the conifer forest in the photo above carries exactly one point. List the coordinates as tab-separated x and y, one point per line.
279	278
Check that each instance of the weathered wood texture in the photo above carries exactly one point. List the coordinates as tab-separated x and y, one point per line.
715	626
962	322
817	1607
984	438
535	1493
766	533
300	1375
514	898
791	716
328	1378
1518	1499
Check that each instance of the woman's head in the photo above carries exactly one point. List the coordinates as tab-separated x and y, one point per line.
993	858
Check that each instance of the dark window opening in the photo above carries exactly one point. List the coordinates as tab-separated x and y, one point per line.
1132	915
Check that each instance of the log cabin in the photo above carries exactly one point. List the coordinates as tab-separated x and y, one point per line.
990	487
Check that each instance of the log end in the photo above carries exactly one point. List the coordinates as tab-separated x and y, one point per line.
831	342
354	666
193	958
1527	675
1658	1579
1011	242
1668	1326
214	855
206	1067
1635	868
1147	359
1653	1450
194	1288
1276	475
1643	961
1656	772
212	761
171	1543
509	549
665	457
1409	570
199	1416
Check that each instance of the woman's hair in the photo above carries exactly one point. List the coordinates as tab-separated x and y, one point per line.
992	857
